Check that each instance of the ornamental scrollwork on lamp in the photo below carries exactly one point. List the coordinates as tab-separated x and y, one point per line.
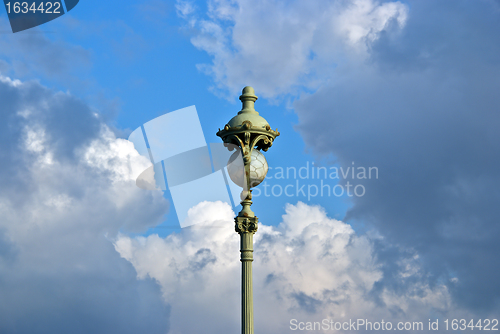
246	225
248	137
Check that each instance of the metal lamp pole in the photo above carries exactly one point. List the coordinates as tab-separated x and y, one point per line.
250	132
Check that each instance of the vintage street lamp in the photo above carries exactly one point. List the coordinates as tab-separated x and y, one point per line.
251	133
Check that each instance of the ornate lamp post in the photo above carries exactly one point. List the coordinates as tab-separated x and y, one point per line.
251	133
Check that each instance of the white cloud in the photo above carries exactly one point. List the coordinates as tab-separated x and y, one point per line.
184	8
68	185
310	267
279	45
363	20
116	155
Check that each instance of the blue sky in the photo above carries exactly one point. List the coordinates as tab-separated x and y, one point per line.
133	72
408	87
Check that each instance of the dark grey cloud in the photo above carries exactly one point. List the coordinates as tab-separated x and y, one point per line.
67	189
424	109
79	297
7	249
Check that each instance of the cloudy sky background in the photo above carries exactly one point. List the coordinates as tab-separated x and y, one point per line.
410	87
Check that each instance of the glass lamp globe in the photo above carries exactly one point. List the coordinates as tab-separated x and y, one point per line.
258	168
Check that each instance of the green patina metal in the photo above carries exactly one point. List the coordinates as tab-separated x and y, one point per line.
249	131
